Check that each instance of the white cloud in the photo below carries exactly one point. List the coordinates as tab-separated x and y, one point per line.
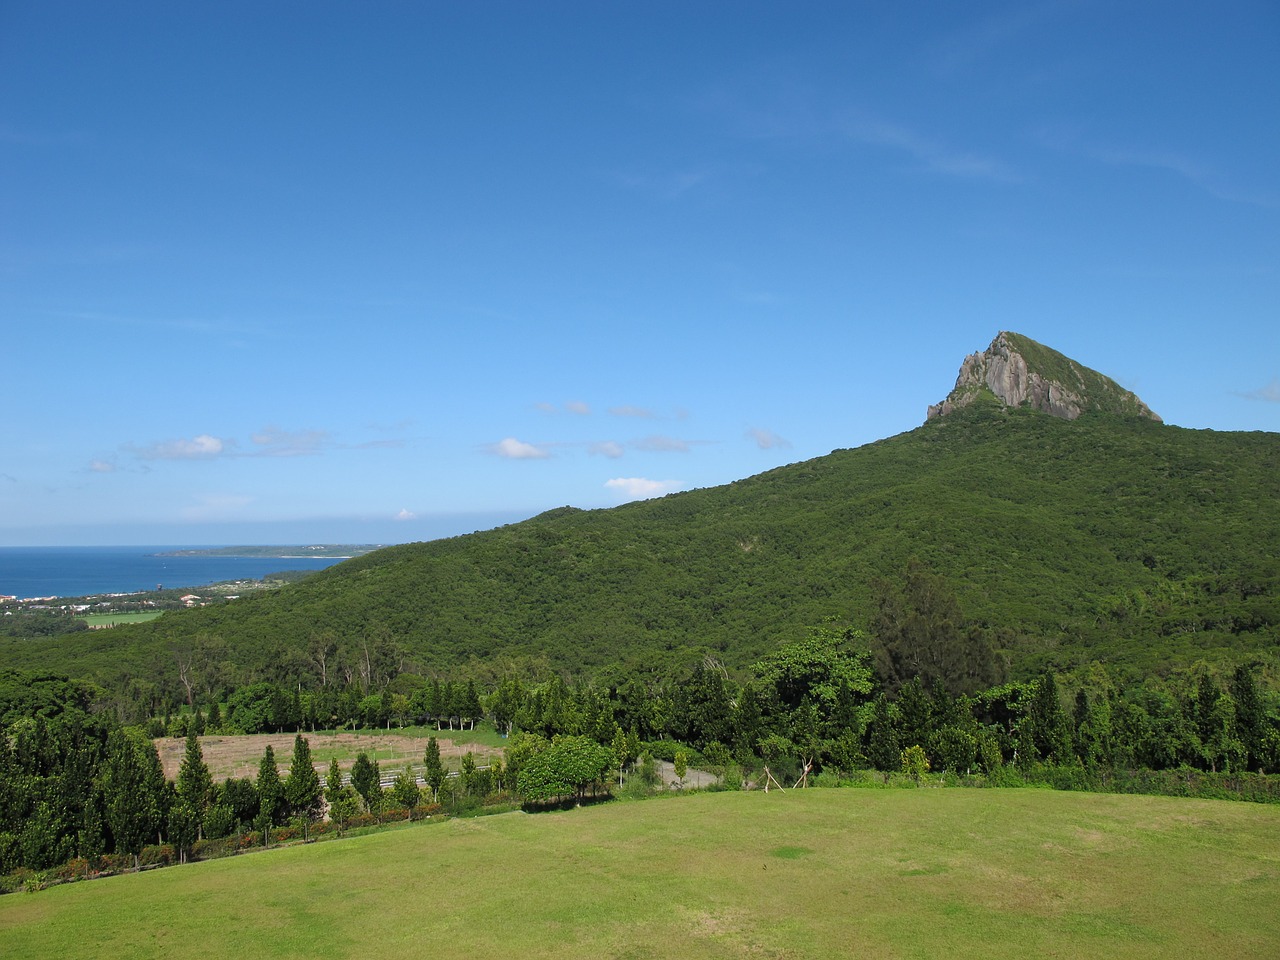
606	448
201	447
513	449
102	466
406	515
639	488
578	407
767	439
661	444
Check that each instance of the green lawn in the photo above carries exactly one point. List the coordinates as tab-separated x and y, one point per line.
817	873
116	619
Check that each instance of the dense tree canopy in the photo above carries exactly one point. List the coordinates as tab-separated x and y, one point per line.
1050	542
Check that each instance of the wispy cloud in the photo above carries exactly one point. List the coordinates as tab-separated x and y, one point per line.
271	441
512	449
405	515
605	448
200	447
626	410
40	138
933	155
788	112
1269	394
986	37
575	407
217	506
102	466
669	185
1193	170
8	478
640	488
767	439
660	444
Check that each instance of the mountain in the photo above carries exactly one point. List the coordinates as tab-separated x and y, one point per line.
1017	371
1108	536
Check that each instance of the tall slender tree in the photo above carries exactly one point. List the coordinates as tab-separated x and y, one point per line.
366	780
434	772
194	784
133	810
272	805
302	789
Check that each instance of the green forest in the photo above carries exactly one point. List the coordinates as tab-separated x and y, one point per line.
998	597
1120	541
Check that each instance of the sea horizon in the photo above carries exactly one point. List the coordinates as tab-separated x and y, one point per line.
79	571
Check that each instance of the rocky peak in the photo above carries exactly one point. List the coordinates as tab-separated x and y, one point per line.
1020	372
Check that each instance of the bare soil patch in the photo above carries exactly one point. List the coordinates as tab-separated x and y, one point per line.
240	756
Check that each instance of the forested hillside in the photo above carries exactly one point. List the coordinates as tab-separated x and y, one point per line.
1064	542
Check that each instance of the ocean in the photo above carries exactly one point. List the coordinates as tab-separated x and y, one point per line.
81	571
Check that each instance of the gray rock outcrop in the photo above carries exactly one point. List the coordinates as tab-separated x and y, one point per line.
1020	372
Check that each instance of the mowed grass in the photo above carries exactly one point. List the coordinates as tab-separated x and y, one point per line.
817	873
115	619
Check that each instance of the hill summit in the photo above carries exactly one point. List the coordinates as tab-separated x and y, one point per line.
1017	371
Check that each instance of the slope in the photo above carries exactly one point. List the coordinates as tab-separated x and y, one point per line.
1119	539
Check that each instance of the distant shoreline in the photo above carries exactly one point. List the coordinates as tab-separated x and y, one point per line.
329	551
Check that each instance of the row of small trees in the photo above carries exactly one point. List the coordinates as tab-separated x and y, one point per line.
265	707
74	783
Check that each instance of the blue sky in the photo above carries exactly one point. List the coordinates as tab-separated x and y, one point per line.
378	272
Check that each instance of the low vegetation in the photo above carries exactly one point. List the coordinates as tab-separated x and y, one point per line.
982	873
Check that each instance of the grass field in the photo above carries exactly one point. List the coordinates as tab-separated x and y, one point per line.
116	619
817	873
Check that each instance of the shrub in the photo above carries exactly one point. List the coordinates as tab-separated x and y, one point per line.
158	855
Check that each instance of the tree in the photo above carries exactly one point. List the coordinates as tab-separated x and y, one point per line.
1223	749
366	780
568	766
341	798
333	785
505	704
469	706
884	745
194	784
272	805
1047	729
621	747
184	828
1251	716
702	706
467	775
922	633
434	772
132	804
405	792
302	789
816	668
914	762
681	765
